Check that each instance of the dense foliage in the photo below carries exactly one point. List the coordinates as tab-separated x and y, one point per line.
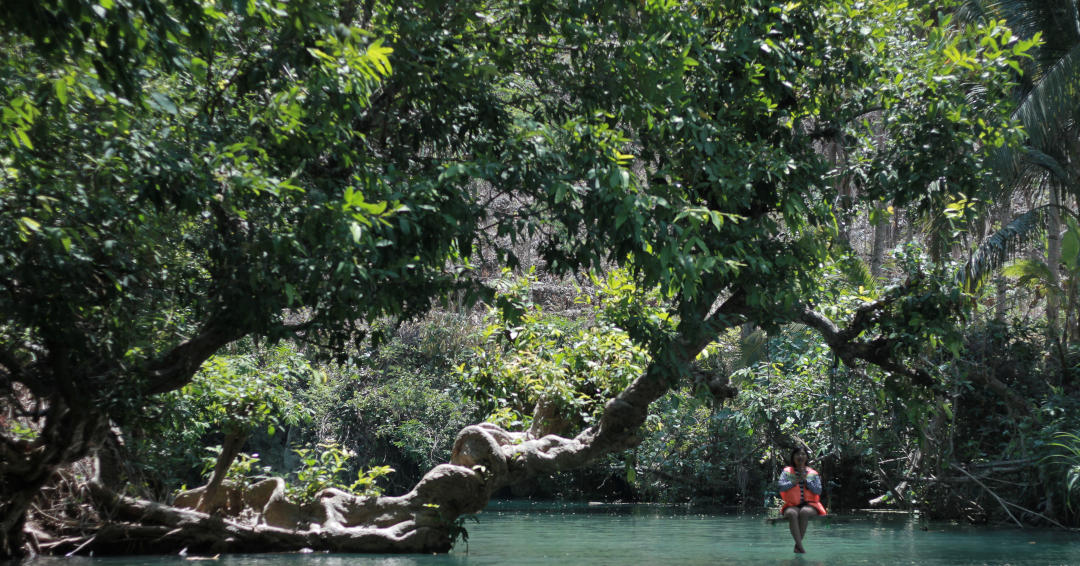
189	184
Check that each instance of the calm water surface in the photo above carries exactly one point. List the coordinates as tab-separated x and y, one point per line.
565	535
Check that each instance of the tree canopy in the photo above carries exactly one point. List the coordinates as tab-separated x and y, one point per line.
180	174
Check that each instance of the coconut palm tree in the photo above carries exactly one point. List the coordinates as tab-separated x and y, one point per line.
1046	167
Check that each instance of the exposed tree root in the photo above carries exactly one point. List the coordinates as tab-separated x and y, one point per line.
140	526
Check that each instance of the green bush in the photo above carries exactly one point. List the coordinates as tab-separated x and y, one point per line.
325	466
575	365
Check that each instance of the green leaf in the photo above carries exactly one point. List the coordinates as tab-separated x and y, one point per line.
318	53
30	224
163	103
1070	248
1029	271
25	139
61	88
373	208
379	56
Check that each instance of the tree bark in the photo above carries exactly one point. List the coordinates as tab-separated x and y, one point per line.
1000	281
175	368
230	447
26	466
845	192
1018	405
1053	261
485	458
847	345
74	419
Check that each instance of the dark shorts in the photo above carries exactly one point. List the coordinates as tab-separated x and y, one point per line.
820	509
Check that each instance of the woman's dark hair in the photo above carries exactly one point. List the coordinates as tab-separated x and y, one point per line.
796	450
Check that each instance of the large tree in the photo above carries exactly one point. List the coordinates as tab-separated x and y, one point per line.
178	175
182	174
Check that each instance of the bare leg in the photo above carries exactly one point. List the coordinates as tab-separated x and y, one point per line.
792	516
804	518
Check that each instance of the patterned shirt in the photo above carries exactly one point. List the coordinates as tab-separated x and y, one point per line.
788	481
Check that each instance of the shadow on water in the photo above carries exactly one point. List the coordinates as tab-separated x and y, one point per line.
526	534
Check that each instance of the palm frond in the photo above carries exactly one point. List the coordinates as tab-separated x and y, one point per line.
1022	166
974	12
752	348
1053	103
1029	272
1002	246
1024	17
1039	159
857	272
1066	451
1052	74
796	331
1050	103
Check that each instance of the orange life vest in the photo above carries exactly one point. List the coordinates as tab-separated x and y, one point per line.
798	494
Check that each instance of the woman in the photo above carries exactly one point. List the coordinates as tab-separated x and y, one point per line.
800	488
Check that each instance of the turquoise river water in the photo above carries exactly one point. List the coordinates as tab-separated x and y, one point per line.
566	535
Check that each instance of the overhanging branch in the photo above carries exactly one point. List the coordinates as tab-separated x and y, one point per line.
176	367
845	342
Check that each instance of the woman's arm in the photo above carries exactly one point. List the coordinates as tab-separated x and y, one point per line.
787	480
813	482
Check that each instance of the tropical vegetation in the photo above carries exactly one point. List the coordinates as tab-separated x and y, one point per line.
316	254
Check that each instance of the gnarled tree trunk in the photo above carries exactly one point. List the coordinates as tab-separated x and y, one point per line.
70	409
27	465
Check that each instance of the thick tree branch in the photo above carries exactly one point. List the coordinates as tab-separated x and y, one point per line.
844	342
175	368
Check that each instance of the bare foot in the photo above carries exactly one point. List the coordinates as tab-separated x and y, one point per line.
799	549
